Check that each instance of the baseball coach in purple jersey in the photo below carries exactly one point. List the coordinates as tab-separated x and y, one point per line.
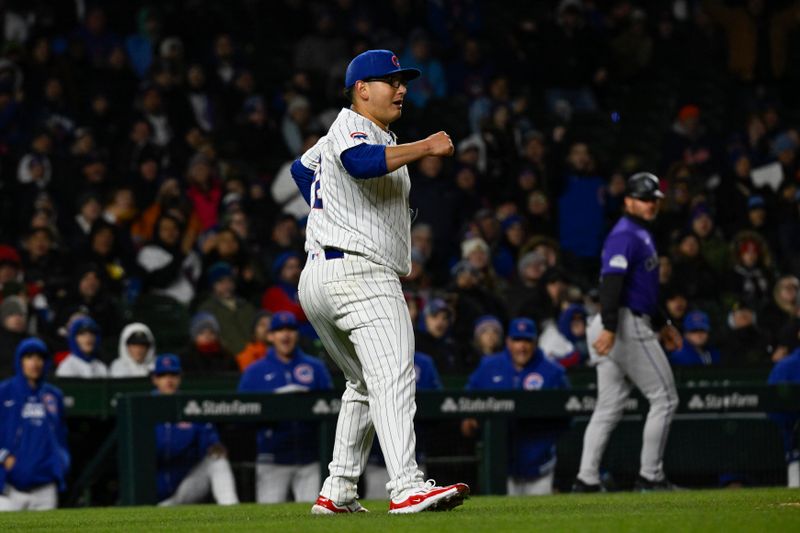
624	341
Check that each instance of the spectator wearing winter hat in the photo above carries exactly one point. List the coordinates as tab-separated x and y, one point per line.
530	269
282	296
13	329
84	344
487	337
233	313
205	354
256	349
712	246
695	350
759	221
751	276
688	142
515	234
784	149
433	337
477	253
137	352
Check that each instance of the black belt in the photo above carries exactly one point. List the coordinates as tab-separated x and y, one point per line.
640	314
333	253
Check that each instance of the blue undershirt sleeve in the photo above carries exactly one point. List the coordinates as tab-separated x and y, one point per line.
303	177
365	161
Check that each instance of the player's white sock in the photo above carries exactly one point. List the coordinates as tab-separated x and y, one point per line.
793	473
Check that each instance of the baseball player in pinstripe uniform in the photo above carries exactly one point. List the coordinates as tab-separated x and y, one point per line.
624	343
358	244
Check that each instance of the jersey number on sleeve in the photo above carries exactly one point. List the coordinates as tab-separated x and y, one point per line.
317	194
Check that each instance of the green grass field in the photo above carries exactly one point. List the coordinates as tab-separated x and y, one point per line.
774	510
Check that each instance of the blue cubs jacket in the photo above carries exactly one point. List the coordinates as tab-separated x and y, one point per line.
532	444
32	428
287	443
180	446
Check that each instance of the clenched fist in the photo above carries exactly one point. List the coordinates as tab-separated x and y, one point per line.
440	144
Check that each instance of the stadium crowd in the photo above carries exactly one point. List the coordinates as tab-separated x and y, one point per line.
145	166
146	199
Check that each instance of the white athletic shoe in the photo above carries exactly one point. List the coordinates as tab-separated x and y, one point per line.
431	498
325	506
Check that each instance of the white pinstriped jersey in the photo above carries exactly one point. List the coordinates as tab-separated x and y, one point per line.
369	217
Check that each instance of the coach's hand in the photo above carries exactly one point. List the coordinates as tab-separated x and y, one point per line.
9	463
217	450
671	338
440	144
469	426
604	342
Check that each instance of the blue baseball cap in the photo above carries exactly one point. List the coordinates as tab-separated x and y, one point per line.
283	320
376	64
167	363
696	321
435	306
522	328
756	202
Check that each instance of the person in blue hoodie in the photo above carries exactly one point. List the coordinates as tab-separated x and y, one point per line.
523	366
190	459
695	350
564	341
288	452
84	348
376	476
787	370
34	458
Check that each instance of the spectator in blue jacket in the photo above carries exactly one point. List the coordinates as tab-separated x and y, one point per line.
376	476
522	366
695	350
190	457
288	452
33	437
787	370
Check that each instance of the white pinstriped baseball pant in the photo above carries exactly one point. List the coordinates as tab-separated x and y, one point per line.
358	310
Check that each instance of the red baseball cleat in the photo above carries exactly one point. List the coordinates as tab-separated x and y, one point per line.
431	498
325	506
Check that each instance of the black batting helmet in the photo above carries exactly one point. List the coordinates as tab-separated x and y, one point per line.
643	186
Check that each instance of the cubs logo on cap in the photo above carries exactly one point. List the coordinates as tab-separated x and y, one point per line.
283	320
167	364
522	328
696	321
376	64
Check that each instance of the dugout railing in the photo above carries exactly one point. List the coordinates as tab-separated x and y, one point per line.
137	413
